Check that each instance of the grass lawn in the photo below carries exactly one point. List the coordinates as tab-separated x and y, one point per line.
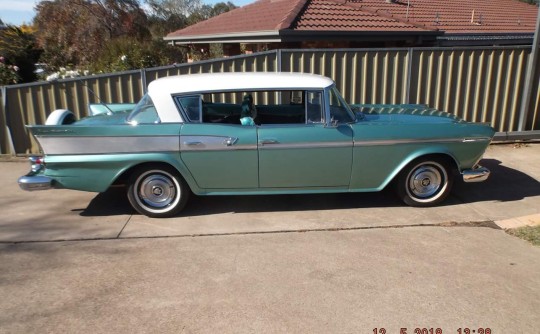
529	233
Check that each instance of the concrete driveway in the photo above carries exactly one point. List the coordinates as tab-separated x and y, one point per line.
84	262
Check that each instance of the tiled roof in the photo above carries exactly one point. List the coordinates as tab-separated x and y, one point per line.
326	15
262	15
455	16
450	16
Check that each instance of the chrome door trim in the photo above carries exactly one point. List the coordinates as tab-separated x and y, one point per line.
280	146
212	143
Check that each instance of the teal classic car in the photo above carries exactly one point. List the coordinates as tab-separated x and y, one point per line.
256	133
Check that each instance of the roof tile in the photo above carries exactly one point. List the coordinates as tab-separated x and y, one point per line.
450	16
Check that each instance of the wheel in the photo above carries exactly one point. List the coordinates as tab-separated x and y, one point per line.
425	182
157	192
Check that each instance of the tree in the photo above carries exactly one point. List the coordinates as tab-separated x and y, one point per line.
222	7
125	53
73	32
166	8
205	12
171	15
19	54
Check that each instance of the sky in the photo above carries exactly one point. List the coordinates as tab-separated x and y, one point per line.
17	12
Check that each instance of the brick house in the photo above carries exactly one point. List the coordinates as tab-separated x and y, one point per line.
286	24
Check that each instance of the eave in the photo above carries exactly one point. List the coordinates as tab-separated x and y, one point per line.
270	36
288	35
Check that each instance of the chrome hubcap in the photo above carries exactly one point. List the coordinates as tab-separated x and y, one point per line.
157	191
425	181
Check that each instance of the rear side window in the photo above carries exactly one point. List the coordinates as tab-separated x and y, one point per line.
191	107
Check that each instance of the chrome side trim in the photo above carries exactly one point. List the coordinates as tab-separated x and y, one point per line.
478	174
278	146
477	139
31	183
417	141
212	143
53	145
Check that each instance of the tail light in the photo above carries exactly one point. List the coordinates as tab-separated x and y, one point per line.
37	163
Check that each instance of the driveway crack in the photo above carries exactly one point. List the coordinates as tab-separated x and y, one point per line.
482	224
123	227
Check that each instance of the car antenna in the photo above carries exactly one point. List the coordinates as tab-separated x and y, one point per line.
55	79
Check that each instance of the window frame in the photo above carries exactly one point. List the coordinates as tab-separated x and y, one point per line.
324	103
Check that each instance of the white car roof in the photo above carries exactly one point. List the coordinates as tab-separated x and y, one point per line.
161	90
238	81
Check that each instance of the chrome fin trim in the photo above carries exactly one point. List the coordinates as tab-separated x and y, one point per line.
77	145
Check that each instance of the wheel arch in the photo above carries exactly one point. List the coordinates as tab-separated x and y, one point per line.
436	154
124	175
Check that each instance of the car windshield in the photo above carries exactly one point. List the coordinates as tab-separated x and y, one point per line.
339	109
144	112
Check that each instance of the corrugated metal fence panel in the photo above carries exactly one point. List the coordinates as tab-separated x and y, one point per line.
534	117
261	62
31	104
479	85
362	76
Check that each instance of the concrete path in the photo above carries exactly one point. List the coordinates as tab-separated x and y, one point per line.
83	262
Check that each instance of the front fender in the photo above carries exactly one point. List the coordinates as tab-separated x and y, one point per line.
376	166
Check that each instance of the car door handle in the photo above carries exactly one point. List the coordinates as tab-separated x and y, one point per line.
193	143
268	141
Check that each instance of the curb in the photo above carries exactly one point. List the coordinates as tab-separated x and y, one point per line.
532	220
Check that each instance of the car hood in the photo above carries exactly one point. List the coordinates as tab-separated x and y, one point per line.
402	113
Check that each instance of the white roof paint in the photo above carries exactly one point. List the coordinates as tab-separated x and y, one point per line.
161	90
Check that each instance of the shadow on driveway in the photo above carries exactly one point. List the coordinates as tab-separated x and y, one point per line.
505	185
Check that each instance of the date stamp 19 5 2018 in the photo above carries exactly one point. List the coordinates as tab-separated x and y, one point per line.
418	330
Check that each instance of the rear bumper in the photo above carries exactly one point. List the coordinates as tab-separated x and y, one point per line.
37	182
477	174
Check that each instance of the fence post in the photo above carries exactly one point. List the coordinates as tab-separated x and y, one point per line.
532	68
409	78
279	68
5	133
143	81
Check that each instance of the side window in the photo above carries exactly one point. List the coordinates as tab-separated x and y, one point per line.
261	107
314	107
191	106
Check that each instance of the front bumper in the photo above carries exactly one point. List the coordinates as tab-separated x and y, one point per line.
477	174
35	182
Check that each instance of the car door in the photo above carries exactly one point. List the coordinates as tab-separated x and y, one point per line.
218	156
308	154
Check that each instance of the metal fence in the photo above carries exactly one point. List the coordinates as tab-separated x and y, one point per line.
477	84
